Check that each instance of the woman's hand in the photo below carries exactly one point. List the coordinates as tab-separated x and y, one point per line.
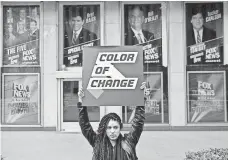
80	95
146	90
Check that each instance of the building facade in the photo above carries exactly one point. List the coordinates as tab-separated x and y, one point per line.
185	64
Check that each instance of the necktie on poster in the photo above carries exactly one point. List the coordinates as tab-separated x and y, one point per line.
198	37
139	38
75	36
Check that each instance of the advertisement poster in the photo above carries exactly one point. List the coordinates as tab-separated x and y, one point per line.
204	33
153	105
81	28
206	97
21	99
21	35
112	76
143	26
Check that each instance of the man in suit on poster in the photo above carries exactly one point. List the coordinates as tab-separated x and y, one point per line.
23	18
198	32
135	34
77	34
34	31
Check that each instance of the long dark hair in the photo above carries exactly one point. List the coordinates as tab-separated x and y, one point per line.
101	141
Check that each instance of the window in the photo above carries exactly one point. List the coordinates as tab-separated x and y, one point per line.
21	104
206	65
144	24
204	31
81	29
70	100
156	105
206	96
21	64
21	35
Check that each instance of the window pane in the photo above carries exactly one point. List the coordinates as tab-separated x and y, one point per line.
21	100
21	35
81	28
206	97
153	105
143	26
204	31
156	105
70	100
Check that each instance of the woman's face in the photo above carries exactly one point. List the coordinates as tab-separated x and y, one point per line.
113	130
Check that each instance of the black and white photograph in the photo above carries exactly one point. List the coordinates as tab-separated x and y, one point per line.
113	80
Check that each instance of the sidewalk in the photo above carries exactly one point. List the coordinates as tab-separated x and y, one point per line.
153	145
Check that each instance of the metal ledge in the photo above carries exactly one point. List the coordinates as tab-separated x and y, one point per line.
28	128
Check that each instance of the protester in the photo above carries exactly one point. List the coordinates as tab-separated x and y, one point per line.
108	143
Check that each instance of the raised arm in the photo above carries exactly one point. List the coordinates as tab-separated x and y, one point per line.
85	125
137	126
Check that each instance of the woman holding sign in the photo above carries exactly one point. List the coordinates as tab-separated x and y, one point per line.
108	143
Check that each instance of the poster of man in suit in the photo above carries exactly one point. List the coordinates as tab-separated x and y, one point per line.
81	28
143	26
21	45
204	33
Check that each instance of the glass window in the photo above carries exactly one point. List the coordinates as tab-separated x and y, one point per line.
81	28
143	26
21	100
206	96
21	30
205	67
156	105
204	31
70	100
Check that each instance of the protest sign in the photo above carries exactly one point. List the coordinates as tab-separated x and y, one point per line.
112	76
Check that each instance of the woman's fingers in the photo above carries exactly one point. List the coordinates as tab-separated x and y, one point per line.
81	93
143	85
